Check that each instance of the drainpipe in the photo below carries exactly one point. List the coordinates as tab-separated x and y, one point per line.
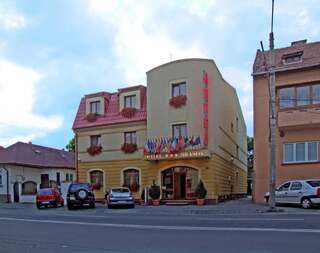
76	155
7	172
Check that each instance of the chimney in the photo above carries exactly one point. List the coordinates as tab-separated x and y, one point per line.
30	142
298	42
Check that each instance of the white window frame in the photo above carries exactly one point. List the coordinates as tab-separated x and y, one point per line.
305	150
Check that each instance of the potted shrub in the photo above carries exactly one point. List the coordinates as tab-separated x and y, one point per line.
178	101
201	193
154	193
128	112
129	148
94	150
91	117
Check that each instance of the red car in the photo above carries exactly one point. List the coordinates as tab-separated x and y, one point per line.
49	197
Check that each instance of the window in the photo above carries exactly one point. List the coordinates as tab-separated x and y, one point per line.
130	137
300	152
292	58
29	188
95	107
303	95
231	127
131	179
284	187
316	94
96	177
314	183
179	130
299	96
286	97
71	177
130	101
67	177
237	124
288	153
295	186
0	179
58	178
179	89
95	140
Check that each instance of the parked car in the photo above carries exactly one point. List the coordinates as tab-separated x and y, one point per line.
119	196
80	194
301	192
49	197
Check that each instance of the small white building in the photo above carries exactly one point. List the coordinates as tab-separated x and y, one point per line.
25	168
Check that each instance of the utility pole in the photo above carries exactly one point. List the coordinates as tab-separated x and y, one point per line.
272	116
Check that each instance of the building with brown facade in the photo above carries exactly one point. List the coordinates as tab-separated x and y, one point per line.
185	126
297	69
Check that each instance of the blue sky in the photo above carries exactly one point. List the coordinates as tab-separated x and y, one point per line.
54	52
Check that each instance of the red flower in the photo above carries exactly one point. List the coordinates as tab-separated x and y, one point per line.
94	150
129	147
92	117
128	112
178	101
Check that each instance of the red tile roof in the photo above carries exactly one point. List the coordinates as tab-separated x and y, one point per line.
30	155
112	112
310	57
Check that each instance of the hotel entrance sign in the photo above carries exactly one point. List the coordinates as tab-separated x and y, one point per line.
191	154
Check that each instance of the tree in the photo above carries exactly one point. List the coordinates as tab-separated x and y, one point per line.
250	143
71	147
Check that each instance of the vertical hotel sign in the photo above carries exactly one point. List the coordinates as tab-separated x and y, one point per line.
205	82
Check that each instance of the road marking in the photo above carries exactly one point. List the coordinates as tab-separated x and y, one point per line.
159	227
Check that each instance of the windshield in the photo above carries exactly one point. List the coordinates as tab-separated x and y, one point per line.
314	183
75	187
45	191
120	190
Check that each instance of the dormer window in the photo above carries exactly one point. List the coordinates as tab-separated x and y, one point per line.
95	107
130	101
292	58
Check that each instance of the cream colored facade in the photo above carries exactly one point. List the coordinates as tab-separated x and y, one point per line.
223	171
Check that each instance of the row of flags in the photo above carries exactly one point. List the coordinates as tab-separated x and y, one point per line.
171	144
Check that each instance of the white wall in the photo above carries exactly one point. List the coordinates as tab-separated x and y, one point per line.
23	174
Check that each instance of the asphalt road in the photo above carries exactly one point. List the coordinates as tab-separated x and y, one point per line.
25	229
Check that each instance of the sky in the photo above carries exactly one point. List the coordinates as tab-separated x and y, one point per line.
54	52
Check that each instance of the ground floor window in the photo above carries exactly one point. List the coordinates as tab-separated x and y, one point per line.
69	177
29	188
179	183
300	152
96	179
131	179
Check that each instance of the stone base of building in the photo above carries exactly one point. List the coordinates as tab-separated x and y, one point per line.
4	198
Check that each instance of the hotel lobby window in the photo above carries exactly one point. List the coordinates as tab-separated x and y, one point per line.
179	130
130	101
95	107
131	179
179	89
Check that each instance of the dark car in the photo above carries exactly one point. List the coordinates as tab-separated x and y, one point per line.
49	197
119	196
80	194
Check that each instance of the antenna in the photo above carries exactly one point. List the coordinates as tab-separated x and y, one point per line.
271	37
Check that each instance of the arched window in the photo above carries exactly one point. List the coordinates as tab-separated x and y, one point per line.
96	179
131	179
29	188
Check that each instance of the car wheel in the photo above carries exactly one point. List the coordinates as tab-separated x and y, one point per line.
110	206
306	203
132	206
38	205
92	205
55	204
267	199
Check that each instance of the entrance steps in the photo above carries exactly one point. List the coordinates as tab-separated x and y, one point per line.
183	202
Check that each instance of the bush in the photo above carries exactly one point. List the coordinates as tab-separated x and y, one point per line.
201	191
154	191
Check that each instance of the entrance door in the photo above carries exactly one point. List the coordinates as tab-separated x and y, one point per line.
16	192
44	181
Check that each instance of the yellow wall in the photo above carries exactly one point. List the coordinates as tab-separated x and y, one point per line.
217	174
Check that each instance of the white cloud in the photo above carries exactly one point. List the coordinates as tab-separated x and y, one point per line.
138	44
17	99
10	19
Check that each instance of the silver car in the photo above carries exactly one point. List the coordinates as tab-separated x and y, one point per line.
301	192
119	196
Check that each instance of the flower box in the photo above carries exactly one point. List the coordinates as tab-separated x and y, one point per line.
128	112
178	101
129	147
92	117
94	150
